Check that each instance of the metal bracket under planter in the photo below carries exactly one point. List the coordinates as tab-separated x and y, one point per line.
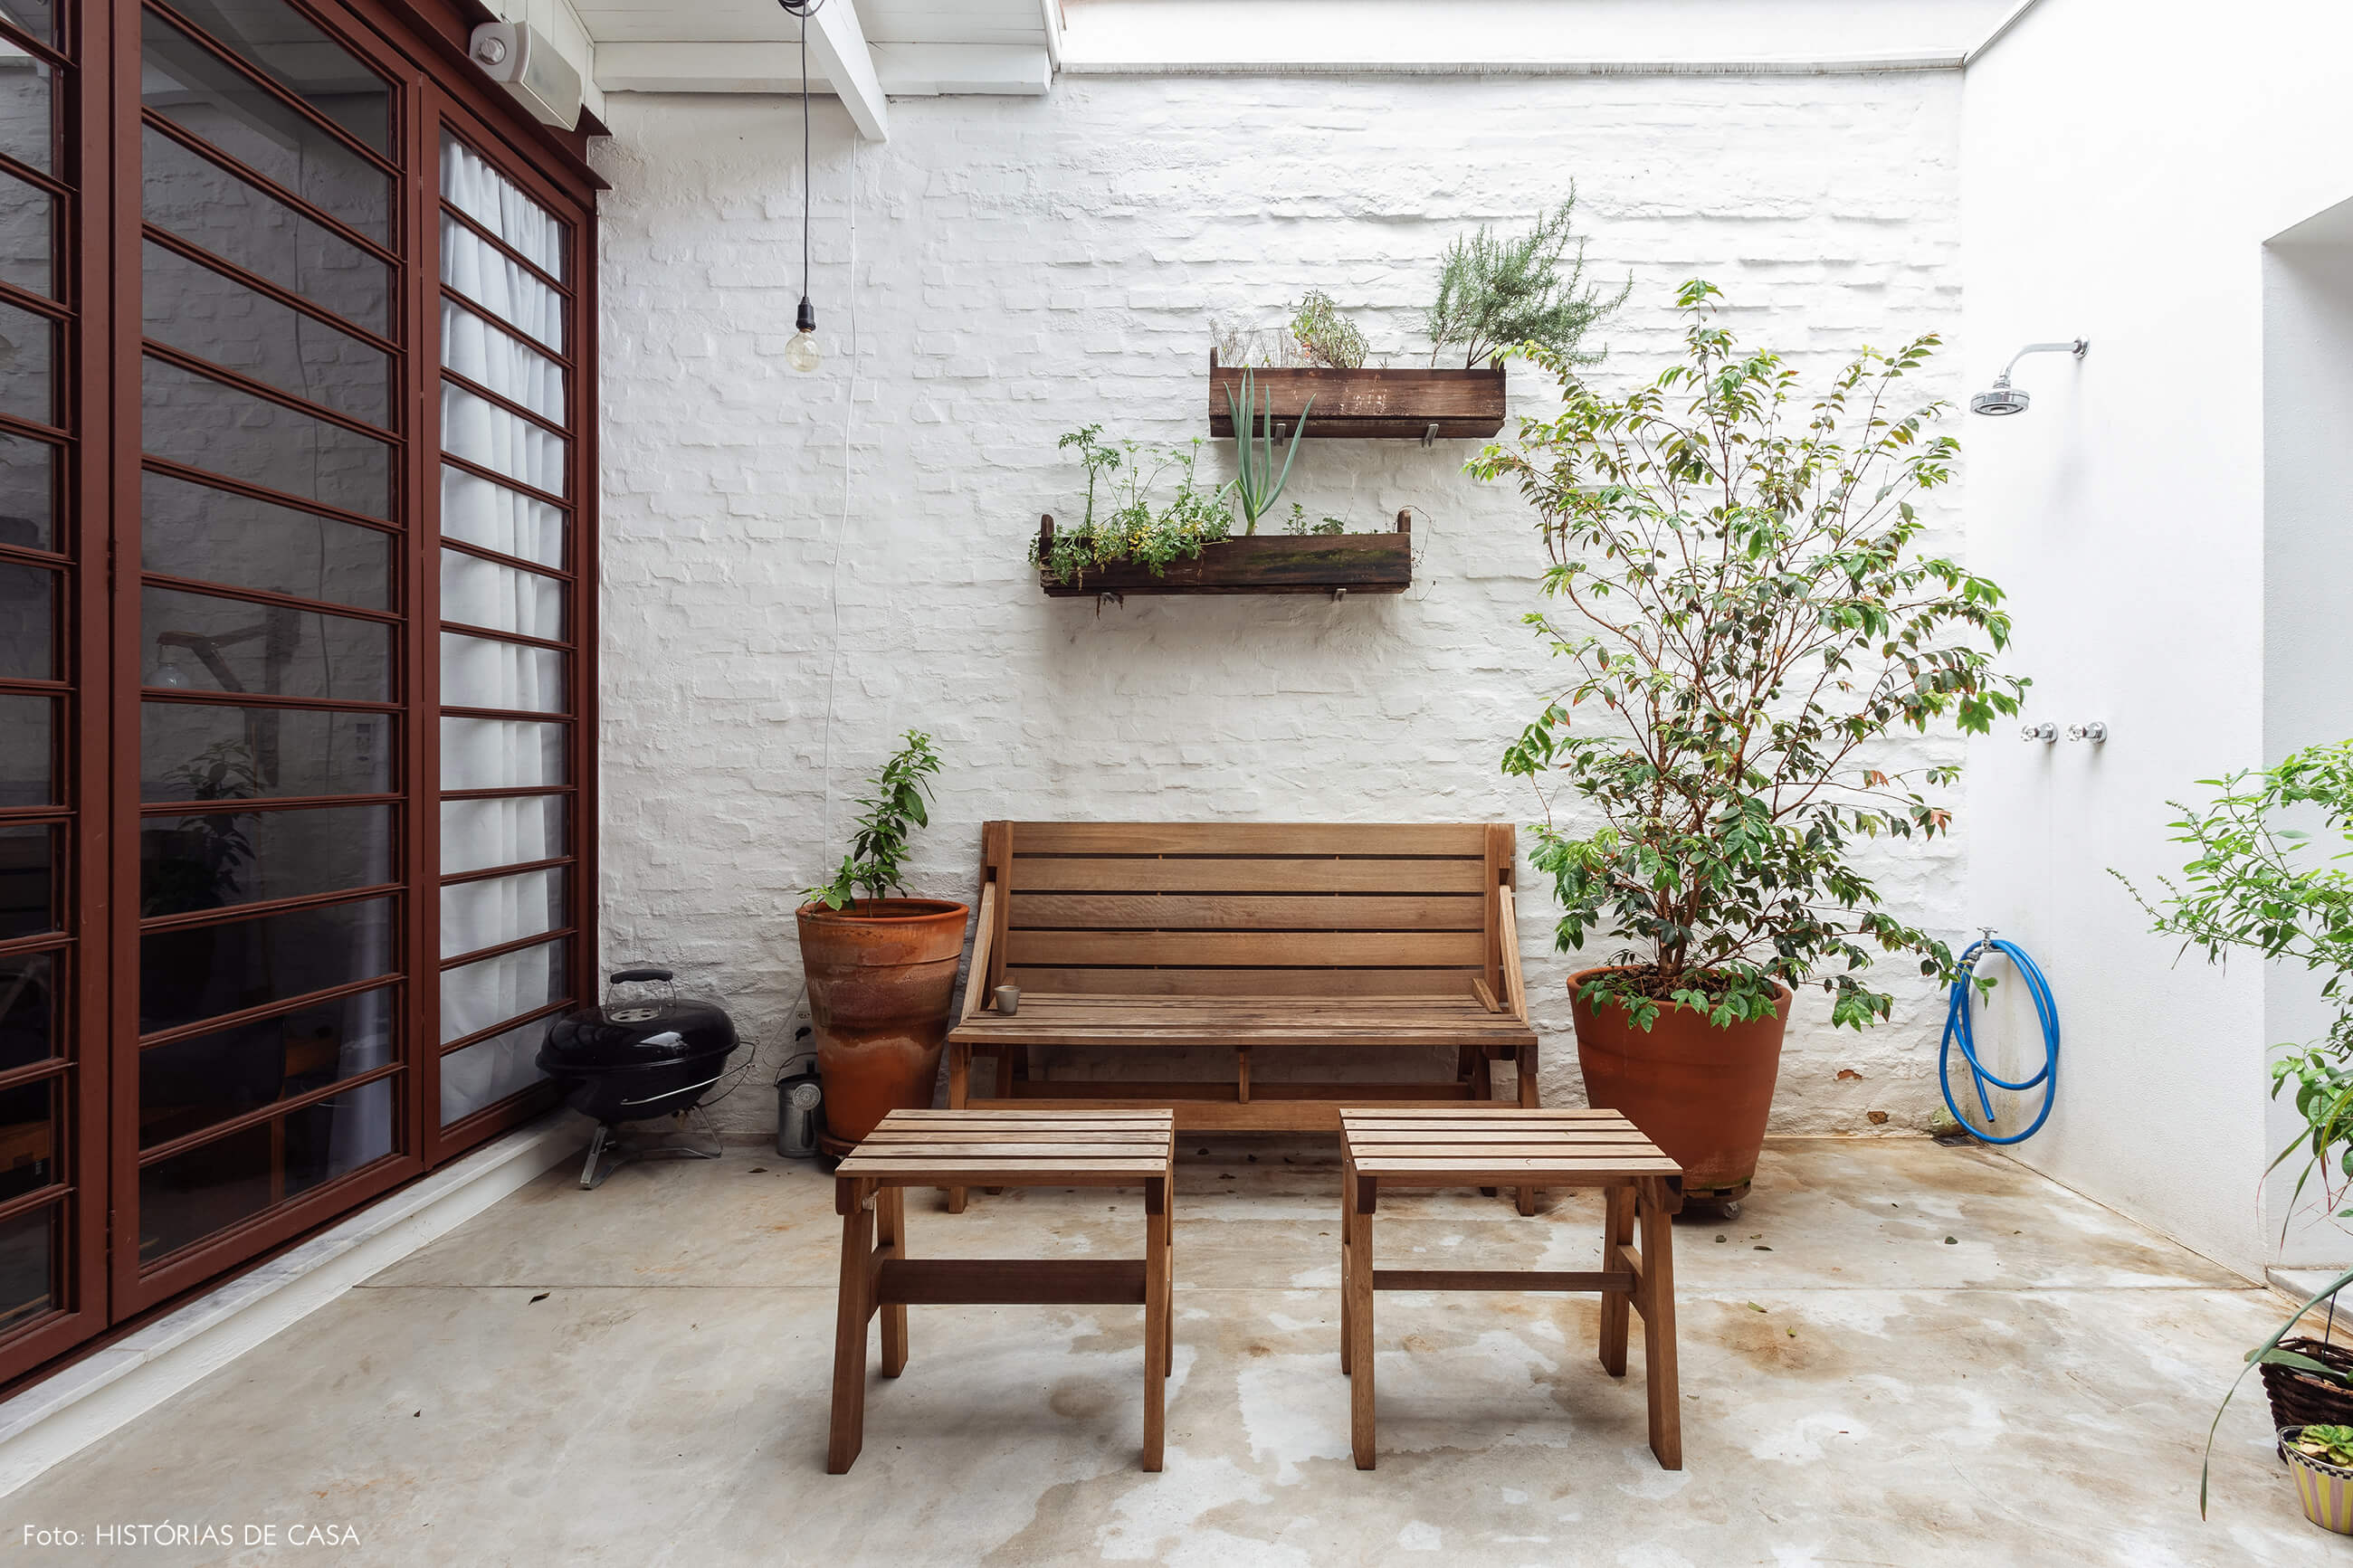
1333	564
1373	404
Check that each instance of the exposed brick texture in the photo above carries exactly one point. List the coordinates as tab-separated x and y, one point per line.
1026	267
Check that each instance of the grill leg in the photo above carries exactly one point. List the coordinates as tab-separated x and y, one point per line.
592	1173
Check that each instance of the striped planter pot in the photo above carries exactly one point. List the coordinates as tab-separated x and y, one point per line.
2325	1490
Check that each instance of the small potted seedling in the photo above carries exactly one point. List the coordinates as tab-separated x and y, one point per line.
2322	1458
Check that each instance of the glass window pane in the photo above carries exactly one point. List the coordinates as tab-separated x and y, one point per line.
471	186
37	17
28	1138
476	915
28	751
476	835
479	593
28	1245
187	973
28	99
29	884
29	229
488	1071
235	220
221	859
211	100
477	996
194	531
205	424
191	750
199	311
499	284
491	517
193	1084
28	493
27	1009
197	643
500	753
477	672
280	42
497	359
28	622
482	432
187	1197
27	354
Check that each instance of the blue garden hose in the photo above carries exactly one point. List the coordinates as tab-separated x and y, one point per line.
1957	1027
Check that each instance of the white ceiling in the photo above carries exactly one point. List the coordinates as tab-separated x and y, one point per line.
764	21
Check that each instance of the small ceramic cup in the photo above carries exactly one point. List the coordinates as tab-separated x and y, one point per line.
1009	1000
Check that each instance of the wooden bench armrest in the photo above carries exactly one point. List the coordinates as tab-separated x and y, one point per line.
976	982
1515	991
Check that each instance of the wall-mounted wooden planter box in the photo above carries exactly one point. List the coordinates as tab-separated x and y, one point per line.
1331	564
1368	404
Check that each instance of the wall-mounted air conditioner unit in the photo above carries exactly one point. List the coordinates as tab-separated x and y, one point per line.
520	58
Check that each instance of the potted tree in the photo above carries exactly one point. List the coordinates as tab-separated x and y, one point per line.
881	970
1751	610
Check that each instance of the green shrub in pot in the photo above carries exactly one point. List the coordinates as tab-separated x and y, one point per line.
1747	608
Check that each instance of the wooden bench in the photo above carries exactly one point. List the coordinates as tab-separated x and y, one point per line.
1254	937
1125	1148
1499	1146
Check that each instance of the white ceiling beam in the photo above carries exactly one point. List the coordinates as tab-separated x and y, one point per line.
837	46
706	67
929	70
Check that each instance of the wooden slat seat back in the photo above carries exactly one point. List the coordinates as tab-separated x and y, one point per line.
1341	910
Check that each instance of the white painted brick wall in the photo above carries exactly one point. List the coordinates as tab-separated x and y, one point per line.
1026	267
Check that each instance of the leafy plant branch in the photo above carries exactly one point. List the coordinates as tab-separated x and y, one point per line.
895	809
1748	616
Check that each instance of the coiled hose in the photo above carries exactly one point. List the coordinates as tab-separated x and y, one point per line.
1959	1027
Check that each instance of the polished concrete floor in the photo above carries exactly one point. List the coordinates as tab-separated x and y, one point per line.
1900	1355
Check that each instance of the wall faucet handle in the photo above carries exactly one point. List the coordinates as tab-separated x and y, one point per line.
2092	729
2046	732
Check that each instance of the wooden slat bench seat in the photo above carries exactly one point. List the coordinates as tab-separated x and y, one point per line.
1127	1148
1254	937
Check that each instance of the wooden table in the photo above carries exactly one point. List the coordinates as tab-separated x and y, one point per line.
1120	1147
1501	1147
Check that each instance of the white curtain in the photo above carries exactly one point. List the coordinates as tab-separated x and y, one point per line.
488	1071
496	518
501	362
479	672
487	672
483	433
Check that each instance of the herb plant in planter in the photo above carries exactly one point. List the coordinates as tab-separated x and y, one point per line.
1748	610
881	969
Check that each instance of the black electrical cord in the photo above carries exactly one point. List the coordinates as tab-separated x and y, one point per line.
806	319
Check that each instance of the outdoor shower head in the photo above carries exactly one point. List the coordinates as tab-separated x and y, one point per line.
2004	398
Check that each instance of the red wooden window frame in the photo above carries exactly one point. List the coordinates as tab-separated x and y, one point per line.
418	46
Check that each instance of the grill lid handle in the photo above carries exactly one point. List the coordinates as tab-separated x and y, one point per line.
626	976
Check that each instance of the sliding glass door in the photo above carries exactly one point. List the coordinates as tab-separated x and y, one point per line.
293	569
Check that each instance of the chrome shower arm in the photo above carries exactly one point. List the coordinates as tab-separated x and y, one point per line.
2071	346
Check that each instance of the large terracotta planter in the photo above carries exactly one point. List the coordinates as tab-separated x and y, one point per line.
1699	1092
882	980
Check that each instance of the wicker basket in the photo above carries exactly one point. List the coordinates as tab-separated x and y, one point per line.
2326	1490
2299	1399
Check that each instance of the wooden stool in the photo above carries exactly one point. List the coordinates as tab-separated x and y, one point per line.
995	1149
1501	1148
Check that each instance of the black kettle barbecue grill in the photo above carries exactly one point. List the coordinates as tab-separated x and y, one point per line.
643	1054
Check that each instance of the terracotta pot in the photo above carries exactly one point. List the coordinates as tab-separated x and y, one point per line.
1699	1092
881	982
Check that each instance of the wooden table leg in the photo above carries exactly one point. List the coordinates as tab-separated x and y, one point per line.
1347	1265
1617	1231
1360	1318
848	1432
891	1227
959	1094
1156	1320
1657	1299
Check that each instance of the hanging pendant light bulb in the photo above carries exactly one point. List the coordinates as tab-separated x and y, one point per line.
802	354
